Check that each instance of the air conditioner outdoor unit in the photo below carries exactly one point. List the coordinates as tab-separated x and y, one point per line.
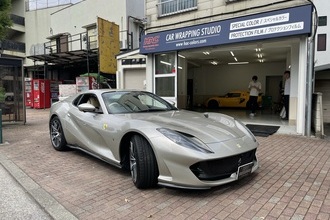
123	45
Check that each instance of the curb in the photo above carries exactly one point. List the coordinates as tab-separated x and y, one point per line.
43	198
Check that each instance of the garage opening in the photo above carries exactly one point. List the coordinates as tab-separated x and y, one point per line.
225	72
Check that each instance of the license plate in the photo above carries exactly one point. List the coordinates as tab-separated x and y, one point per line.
244	170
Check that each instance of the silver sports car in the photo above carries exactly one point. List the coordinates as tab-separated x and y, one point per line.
158	143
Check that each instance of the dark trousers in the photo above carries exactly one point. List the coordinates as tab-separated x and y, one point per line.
253	100
286	105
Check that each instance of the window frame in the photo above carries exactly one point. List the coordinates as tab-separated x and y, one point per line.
322	21
321	42
175	7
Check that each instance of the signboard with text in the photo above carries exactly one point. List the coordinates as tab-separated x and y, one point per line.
280	23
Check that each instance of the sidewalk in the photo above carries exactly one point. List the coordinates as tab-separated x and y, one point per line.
15	202
292	182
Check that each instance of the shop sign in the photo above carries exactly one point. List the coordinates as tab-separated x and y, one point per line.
280	23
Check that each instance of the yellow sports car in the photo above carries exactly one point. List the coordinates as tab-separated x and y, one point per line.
235	98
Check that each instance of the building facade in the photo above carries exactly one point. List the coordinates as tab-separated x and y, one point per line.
191	49
201	48
66	40
12	54
322	52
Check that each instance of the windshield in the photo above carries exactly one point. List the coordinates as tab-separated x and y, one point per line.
133	102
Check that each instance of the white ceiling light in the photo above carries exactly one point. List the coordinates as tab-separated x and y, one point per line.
232	53
214	62
166	63
238	63
206	53
235	59
182	56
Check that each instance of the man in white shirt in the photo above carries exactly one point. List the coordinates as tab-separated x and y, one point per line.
286	93
254	88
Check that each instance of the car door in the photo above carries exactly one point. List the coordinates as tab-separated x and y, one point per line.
243	99
232	99
89	126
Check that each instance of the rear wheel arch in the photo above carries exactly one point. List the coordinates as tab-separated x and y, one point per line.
213	103
57	134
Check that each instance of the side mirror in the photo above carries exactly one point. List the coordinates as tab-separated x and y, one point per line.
171	102
86	107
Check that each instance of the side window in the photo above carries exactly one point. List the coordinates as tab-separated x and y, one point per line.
322	20
77	102
321	42
93	100
88	98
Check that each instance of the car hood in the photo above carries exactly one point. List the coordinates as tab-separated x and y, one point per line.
216	128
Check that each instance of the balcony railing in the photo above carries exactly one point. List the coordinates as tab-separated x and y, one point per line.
67	42
12	46
17	19
32	5
170	7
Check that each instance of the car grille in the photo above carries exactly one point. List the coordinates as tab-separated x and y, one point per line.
221	168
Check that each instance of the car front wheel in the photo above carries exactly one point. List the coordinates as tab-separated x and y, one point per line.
143	164
56	134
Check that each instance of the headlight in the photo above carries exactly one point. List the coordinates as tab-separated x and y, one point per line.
180	139
244	129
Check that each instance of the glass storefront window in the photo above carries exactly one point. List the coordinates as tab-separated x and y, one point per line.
11	90
165	63
165	86
165	75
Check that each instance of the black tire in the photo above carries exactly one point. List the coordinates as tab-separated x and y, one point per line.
56	134
143	164
213	104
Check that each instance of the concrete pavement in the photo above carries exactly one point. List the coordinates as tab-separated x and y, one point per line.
15	202
292	183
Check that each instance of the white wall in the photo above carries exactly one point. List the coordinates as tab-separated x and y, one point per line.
322	57
17	7
71	19
37	26
218	80
209	11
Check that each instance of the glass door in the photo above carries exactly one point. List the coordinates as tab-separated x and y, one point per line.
165	77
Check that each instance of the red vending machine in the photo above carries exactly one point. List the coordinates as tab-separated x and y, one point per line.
28	94
41	93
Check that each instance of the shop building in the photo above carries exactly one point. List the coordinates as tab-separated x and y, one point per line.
198	49
12	56
322	62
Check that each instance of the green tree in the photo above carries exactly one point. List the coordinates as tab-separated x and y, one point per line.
5	21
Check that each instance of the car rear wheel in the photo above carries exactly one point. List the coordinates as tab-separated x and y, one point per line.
213	104
56	134
143	164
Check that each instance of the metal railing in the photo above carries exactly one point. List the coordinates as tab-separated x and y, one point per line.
67	42
17	19
31	5
12	46
169	7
